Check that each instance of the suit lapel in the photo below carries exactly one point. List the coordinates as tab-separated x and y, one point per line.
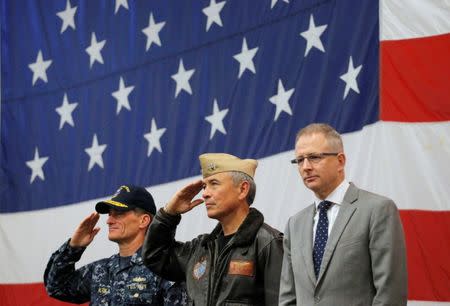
345	213
306	231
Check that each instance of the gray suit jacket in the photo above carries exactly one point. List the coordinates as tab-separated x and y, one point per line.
364	261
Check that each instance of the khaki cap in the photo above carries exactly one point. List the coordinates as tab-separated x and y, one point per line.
213	163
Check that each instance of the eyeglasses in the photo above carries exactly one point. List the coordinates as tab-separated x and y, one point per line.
313	158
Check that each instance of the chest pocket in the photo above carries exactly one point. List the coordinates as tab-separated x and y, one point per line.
101	295
354	253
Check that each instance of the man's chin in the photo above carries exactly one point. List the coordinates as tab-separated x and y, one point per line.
211	214
113	238
311	184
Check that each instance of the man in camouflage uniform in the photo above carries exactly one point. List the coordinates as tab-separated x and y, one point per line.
121	279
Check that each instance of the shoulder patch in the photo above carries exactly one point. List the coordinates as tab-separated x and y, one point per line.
199	269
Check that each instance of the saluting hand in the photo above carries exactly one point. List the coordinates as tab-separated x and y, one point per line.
86	231
182	202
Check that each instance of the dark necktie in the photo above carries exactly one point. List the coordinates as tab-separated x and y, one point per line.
321	238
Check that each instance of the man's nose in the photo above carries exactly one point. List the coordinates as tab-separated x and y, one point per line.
110	219
206	194
306	164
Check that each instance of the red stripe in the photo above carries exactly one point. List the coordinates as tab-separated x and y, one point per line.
428	248
27	295
414	79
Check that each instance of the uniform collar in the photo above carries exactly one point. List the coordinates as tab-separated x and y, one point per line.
246	232
136	259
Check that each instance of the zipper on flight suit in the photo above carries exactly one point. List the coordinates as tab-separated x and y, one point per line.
218	260
211	245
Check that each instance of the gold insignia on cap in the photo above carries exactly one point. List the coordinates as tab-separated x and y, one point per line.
213	163
115	203
126	188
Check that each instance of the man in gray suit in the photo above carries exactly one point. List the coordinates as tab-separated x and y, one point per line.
347	248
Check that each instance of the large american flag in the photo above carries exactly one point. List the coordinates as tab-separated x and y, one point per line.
95	94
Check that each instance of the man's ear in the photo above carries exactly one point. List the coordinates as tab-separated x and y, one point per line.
342	159
244	188
145	221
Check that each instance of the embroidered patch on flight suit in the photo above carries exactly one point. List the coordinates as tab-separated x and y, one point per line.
241	267
199	269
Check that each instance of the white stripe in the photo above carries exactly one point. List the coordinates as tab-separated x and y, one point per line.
405	19
425	303
409	163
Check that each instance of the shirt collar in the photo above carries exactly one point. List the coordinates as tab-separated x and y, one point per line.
136	258
336	196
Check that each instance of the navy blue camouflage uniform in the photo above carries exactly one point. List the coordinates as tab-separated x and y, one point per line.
105	282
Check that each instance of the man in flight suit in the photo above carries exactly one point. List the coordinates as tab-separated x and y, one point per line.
239	262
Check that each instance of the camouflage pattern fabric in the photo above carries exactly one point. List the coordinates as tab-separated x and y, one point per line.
105	283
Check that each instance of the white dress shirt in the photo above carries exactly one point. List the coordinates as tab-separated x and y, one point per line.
336	197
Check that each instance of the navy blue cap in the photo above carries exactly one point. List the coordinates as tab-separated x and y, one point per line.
128	197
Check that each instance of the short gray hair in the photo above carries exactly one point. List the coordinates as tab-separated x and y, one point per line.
331	135
239	177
